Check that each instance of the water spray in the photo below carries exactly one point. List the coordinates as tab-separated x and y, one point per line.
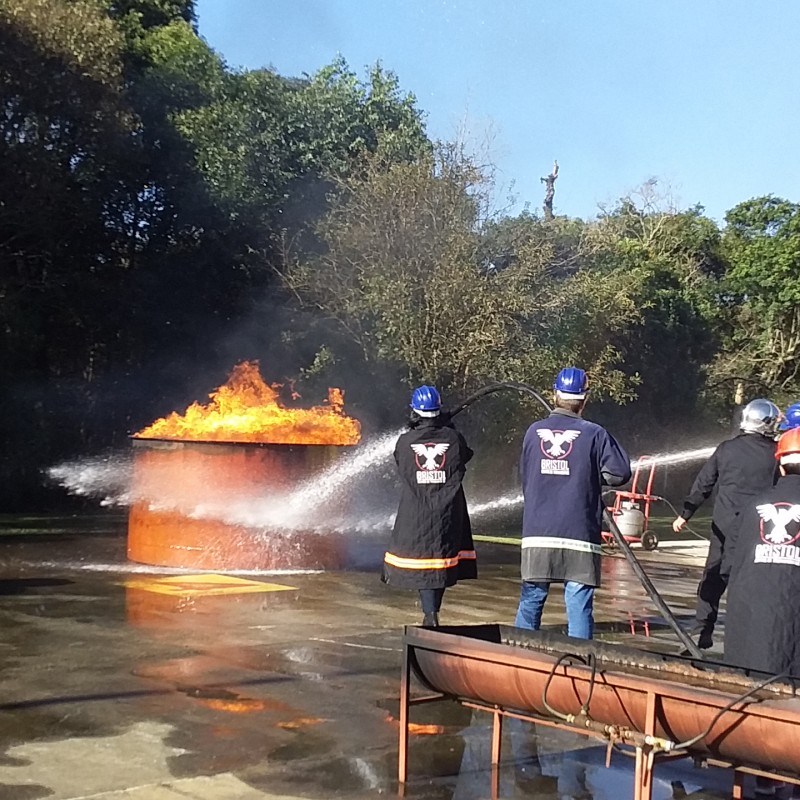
619	539
110	480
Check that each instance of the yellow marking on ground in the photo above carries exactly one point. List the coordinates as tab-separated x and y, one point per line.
497	540
206	584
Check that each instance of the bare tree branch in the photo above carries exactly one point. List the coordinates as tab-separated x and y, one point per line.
550	191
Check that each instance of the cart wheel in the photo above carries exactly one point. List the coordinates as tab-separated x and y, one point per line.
649	540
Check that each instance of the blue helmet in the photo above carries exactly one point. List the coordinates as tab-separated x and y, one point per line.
791	419
426	401
571	383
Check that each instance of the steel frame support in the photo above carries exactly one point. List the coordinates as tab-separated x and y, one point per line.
405	689
649	749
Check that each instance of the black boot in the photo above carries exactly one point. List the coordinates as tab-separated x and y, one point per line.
431	620
705	641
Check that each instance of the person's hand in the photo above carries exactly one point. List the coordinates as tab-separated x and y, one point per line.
678	524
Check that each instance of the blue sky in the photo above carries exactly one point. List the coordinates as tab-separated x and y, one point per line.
700	94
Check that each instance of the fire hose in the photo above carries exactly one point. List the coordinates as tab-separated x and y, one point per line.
619	539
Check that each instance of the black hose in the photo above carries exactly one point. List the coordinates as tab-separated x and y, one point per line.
623	545
523	388
695	739
592	664
677	513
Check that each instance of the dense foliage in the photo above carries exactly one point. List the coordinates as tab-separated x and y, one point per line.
163	216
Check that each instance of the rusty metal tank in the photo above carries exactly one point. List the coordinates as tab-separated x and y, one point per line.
703	708
195	477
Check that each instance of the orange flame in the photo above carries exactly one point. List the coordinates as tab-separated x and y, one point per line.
246	409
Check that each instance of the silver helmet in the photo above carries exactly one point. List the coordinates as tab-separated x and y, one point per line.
760	416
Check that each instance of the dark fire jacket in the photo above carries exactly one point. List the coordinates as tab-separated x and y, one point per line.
740	468
565	462
762	618
431	545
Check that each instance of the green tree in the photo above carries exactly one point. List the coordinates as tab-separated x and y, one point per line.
63	122
240	143
574	303
146	190
673	261
761	295
405	273
333	118
153	13
136	17
263	138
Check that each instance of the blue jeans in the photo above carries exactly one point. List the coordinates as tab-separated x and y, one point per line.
578	598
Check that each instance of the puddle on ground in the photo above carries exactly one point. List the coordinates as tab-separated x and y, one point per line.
23	792
537	762
428	718
40	725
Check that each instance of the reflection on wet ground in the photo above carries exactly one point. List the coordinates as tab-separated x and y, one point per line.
115	678
548	764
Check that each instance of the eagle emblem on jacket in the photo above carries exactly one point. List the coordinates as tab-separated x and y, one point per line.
780	515
552	441
428	453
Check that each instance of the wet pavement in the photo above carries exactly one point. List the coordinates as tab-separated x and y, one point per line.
122	681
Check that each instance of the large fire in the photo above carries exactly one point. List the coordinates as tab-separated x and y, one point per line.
246	409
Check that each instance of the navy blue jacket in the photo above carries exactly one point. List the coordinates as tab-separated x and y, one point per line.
565	462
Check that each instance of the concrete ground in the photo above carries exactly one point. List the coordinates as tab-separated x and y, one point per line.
123	682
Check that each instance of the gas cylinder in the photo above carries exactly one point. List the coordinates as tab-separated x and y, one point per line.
630	520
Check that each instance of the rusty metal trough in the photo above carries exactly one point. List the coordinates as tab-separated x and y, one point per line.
662	706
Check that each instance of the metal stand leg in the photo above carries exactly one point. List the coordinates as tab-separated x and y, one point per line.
643	776
405	688
637	775
645	757
497	737
738	785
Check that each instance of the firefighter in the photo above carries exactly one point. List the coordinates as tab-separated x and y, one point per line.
762	564
565	462
762	621
740	468
431	545
791	419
